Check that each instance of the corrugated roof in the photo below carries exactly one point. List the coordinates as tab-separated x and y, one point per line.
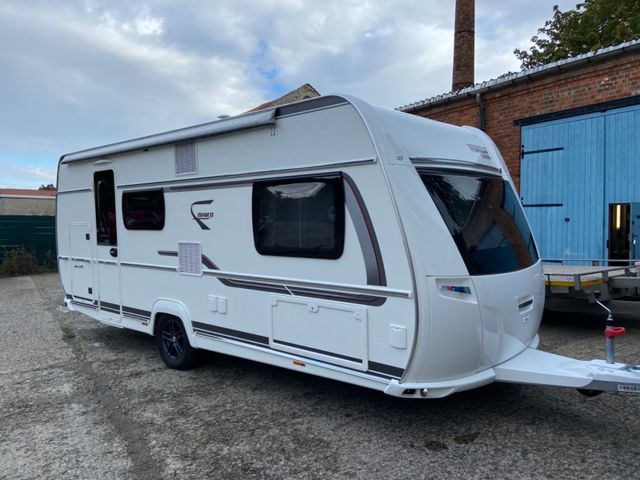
20	192
524	75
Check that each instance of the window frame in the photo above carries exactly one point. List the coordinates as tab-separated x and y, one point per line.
126	210
335	180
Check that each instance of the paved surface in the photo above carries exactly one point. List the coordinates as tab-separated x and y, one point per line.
79	400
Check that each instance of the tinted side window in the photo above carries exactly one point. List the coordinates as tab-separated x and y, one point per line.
105	202
143	210
299	218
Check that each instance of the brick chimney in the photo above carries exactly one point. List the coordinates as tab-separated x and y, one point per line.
464	44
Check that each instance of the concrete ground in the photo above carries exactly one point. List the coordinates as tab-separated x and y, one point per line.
80	400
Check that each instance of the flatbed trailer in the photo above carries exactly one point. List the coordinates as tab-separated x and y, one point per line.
573	288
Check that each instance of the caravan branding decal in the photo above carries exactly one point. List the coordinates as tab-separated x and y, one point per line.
484	153
202	214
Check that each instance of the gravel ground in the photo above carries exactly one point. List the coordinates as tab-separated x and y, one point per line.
80	400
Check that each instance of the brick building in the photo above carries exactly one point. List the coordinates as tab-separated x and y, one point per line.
570	134
594	81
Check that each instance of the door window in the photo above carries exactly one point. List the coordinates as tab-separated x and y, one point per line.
105	203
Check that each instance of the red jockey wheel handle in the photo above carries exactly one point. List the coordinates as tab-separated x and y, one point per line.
613	332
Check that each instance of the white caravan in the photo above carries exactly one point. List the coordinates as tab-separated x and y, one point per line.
326	236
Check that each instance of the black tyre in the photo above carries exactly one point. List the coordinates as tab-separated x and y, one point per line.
173	343
589	393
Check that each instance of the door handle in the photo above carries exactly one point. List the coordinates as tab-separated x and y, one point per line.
113	252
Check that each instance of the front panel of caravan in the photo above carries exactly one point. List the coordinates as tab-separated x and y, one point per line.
469	321
354	312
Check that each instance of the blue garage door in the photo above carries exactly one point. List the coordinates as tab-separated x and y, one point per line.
571	169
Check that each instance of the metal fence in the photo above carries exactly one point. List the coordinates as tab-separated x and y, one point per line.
37	233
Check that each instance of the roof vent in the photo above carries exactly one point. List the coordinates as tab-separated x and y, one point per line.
190	258
186	158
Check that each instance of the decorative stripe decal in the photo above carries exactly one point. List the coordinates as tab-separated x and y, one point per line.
361	299
366	234
386	369
374	368
317	350
84	298
136	311
228	332
112	306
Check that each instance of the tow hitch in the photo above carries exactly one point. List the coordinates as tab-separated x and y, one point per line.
610	332
589	378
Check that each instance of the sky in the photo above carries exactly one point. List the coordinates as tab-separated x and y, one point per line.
79	74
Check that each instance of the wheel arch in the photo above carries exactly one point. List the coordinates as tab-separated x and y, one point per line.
165	306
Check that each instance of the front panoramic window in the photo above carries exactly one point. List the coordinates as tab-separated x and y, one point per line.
143	210
485	220
299	218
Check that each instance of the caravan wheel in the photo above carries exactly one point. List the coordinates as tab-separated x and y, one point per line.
173	343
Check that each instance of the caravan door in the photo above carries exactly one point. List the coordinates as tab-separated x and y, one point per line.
107	263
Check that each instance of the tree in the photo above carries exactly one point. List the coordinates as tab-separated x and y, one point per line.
49	186
593	24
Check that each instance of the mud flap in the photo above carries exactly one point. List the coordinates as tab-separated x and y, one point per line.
541	368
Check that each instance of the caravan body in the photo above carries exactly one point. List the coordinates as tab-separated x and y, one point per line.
326	236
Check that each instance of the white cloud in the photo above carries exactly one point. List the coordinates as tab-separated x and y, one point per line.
24	176
149	25
87	72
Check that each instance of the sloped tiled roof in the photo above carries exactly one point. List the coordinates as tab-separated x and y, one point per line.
300	93
524	75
